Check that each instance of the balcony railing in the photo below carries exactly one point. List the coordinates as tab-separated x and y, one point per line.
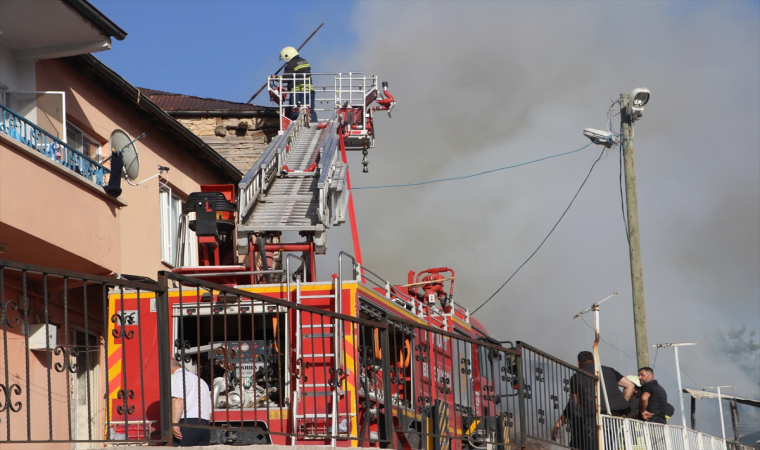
26	132
625	434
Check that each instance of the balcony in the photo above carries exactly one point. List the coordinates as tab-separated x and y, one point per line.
17	127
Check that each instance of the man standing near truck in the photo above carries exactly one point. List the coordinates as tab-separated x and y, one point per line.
185	408
653	397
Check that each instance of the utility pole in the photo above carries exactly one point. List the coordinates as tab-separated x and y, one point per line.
634	245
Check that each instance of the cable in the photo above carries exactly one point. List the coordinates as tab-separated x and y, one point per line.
655	357
547	236
475	174
600	337
622	201
687	374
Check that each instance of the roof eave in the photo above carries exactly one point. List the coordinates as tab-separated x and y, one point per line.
97	18
222	113
144	103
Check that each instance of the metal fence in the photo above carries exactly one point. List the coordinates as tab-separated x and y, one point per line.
559	400
446	387
268	385
59	346
34	137
620	433
89	359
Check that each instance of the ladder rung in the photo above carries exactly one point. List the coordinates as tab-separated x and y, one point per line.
318	355
322	415
317	325
320	393
317	296
316	335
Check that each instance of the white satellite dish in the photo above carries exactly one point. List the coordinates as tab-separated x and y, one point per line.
121	142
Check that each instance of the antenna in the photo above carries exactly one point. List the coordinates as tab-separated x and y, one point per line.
120	142
597	362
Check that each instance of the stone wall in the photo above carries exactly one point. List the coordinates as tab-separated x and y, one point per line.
239	140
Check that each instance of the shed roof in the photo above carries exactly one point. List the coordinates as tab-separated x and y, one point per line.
700	394
180	102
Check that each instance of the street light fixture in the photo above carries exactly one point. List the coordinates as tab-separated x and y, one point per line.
637	102
600	137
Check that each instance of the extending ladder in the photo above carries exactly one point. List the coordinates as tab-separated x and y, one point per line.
298	184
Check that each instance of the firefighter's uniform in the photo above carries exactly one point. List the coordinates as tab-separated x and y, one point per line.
300	68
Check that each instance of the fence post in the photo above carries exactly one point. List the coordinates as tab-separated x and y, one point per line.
387	394
521	397
164	377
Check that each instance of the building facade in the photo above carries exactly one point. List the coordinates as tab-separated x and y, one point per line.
59	106
238	131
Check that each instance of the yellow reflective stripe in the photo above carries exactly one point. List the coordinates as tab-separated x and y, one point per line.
301	66
303	87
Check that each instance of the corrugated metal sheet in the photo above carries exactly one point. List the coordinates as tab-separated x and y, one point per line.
178	102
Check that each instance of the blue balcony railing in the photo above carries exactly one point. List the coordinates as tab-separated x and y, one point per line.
36	138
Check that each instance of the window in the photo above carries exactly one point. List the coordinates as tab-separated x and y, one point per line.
83	142
171	210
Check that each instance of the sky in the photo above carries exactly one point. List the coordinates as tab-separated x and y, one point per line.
482	85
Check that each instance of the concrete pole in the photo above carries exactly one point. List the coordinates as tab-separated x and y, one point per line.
720	407
634	245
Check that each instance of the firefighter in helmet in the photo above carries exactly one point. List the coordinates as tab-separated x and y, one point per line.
297	72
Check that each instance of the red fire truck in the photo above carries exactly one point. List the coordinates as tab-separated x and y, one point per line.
350	361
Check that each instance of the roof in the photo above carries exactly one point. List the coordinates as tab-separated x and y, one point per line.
700	394
102	75
180	102
97	18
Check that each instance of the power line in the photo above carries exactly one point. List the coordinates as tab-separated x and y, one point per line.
550	232
622	202
600	337
655	355
475	174
687	374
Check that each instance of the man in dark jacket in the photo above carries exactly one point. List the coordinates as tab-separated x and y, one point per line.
298	80
580	410
653	397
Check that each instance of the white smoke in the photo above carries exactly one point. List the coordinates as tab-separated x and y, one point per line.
482	85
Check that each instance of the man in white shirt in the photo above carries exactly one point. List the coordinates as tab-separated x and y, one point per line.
185	407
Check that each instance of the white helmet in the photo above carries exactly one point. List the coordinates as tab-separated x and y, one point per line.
288	53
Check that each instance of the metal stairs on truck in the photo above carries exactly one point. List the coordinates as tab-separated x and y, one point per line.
318	374
298	184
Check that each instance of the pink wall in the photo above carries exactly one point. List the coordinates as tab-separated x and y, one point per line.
94	108
42	203
57	395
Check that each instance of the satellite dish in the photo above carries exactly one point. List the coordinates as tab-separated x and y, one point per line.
121	142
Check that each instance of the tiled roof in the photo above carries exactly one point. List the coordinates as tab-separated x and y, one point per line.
179	102
121	89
